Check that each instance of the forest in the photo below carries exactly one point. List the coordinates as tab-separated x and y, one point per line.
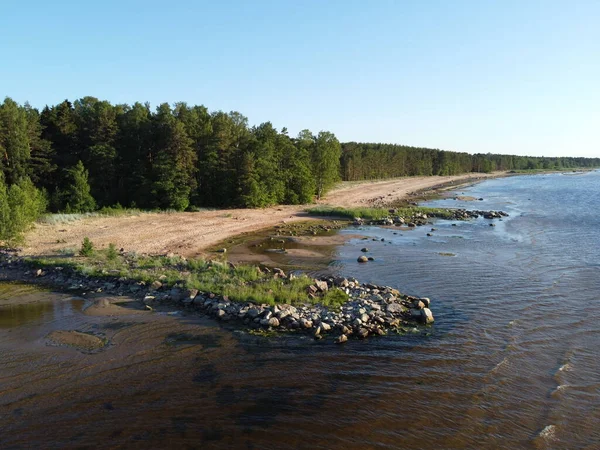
84	155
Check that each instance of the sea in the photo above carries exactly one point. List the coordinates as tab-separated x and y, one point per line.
511	362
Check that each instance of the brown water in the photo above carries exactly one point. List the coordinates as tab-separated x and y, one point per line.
512	361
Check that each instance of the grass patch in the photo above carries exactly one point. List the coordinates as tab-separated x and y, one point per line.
240	283
379	213
349	213
112	211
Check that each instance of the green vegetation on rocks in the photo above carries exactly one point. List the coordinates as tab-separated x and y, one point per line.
379	213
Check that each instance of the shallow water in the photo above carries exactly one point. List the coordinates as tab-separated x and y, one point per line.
511	361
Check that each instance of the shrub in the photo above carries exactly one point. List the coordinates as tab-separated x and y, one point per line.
87	247
111	253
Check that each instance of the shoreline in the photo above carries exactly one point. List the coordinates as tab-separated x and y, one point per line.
192	234
368	310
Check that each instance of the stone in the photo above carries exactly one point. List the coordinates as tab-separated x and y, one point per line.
190	294
343	338
426	315
415	313
395	308
252	313
362	259
363	333
325	326
176	294
220	313
305	323
321	285
426	301
364	249
156	285
419	304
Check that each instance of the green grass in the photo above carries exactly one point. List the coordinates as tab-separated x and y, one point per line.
240	283
349	213
113	211
379	213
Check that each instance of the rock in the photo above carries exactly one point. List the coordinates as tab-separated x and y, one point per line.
343	338
321	285
415	313
220	313
176	294
426	301
363	333
370	258
40	273
395	308
325	326
222	250
190	294
419	304
426	315
362	259
341	282
364	249
305	323
156	285
312	289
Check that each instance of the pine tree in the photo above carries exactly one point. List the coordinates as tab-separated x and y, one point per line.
14	145
326	161
41	166
173	171
77	197
4	211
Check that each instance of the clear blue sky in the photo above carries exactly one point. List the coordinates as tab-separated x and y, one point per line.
499	76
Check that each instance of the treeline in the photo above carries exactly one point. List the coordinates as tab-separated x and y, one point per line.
90	153
373	161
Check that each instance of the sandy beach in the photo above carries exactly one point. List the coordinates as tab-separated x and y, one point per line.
192	233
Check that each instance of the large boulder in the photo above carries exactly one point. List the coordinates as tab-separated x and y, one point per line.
426	315
321	285
395	308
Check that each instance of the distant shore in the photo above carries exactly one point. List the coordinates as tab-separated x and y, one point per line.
191	234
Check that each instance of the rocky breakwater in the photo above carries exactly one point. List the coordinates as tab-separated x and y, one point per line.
419	218
364	310
370	310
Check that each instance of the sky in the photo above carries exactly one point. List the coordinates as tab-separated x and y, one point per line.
518	77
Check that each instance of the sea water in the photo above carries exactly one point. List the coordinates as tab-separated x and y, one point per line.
511	361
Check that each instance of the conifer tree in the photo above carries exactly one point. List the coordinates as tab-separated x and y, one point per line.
173	171
14	142
77	197
4	210
326	161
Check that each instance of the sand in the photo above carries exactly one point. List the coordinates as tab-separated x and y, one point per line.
192	234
